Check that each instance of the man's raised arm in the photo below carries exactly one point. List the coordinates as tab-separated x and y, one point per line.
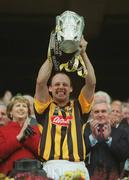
90	80
42	92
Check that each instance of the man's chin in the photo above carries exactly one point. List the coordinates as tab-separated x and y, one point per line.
61	99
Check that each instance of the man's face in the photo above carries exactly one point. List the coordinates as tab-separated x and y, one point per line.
100	112
116	114
60	88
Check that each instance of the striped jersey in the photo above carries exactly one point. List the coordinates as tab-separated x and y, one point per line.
62	129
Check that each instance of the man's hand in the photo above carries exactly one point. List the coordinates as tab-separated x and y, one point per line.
94	127
101	130
106	130
83	45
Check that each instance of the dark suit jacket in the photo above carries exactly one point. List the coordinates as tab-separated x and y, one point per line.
104	158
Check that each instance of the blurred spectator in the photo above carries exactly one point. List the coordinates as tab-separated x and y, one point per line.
17	139
117	102
116	113
125	111
31	101
7	97
32	114
3	116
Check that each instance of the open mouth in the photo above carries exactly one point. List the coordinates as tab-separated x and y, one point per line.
60	93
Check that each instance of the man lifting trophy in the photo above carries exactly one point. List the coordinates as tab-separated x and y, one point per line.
65	41
61	119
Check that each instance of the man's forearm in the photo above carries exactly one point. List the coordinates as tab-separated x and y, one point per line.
45	72
91	74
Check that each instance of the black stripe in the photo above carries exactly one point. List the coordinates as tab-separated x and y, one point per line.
53	132
70	144
79	129
44	133
38	117
83	118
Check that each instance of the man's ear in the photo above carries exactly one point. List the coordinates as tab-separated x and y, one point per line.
50	89
71	89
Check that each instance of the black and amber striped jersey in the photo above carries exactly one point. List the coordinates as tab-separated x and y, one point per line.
62	129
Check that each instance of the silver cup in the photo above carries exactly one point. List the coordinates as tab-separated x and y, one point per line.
69	27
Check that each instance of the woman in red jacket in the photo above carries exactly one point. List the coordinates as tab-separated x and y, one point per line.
18	139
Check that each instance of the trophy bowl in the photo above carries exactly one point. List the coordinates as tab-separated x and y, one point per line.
69	26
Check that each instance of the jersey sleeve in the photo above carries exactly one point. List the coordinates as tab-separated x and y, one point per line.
85	105
40	106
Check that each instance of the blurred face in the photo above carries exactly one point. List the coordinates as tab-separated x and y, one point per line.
60	88
31	101
100	112
125	113
19	111
3	116
116	114
7	97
